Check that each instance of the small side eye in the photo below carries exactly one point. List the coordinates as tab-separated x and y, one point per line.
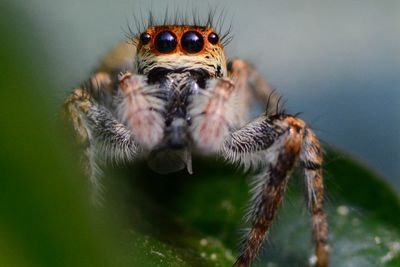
145	38
166	42
192	42
213	38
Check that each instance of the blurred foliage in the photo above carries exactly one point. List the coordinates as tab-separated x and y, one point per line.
201	215
44	220
151	220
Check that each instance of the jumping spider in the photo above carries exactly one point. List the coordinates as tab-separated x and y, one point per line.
173	93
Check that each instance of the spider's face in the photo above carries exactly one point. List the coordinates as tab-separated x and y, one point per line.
165	49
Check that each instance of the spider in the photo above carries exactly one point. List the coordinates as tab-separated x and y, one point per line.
172	92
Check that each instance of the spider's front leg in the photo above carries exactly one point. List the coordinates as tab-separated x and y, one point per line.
212	115
275	144
140	106
108	126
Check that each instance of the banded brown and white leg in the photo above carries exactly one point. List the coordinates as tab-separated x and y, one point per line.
103	137
311	160
273	144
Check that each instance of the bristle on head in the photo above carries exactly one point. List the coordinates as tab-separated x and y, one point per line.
215	19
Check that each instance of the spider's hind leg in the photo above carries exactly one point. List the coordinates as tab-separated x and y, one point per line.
274	144
311	161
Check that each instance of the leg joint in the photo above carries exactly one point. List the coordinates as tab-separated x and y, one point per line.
310	165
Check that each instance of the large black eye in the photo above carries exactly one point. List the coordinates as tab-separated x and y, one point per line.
213	38
165	42
145	38
192	42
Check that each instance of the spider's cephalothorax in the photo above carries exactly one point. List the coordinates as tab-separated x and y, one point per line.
179	61
180	49
173	93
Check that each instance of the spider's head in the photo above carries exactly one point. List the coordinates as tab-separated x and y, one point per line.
165	49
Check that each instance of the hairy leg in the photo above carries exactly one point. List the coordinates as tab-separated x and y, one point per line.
254	86
140	108
311	161
274	145
103	137
211	114
121	57
225	104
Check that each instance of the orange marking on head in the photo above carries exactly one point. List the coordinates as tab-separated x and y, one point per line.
295	122
178	31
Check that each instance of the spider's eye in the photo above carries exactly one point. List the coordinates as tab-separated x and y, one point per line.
192	42
145	38
213	38
165	42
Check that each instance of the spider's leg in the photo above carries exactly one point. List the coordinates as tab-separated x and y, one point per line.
272	144
141	106
246	76
225	103
102	136
311	162
212	113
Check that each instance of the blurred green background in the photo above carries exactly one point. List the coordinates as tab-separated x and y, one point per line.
337	62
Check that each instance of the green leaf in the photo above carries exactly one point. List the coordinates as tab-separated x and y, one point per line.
184	211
